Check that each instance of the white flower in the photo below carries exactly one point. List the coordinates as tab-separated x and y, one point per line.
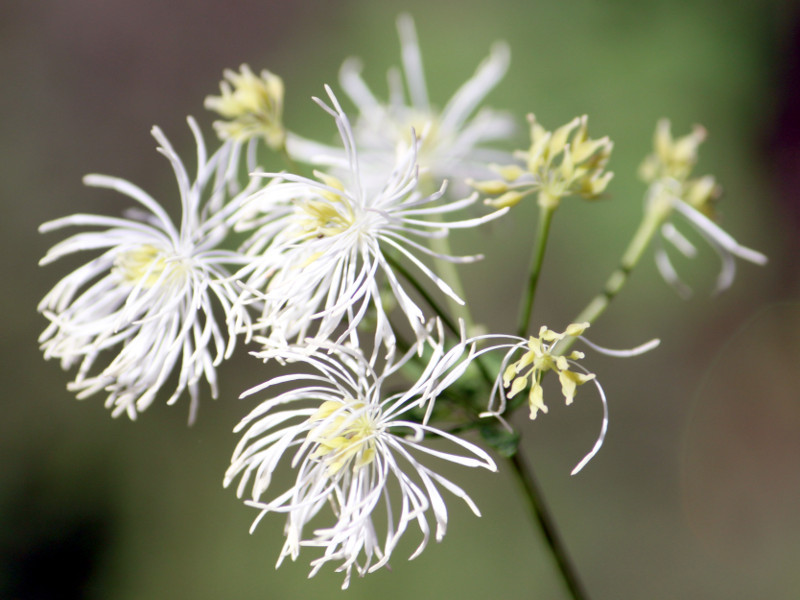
323	247
151	295
357	451
451	140
542	354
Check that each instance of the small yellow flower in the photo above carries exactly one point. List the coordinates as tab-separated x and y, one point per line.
345	436
667	172
539	359
540	355
559	163
252	106
673	160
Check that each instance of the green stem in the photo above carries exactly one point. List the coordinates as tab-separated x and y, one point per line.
290	163
447	321
448	271
545	219
651	222
619	277
545	520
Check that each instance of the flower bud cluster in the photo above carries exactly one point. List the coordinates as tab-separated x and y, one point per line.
251	106
672	162
559	163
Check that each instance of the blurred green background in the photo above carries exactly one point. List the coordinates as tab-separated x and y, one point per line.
694	495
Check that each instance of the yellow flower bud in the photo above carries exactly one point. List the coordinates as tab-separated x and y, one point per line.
561	163
701	193
673	158
252	106
510	198
491	187
509	172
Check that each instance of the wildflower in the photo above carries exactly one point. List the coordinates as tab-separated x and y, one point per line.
542	354
354	447
671	190
556	166
251	106
151	294
320	245
451	140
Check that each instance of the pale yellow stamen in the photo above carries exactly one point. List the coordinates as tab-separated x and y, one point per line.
252	106
329	216
672	162
143	265
345	437
541	358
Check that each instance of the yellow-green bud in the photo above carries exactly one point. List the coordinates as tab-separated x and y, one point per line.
491	187
510	198
252	106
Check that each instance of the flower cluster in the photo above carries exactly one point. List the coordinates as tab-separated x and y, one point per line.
543	353
337	270
556	166
320	246
250	107
671	189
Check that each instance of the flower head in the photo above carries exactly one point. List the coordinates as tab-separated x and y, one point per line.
323	247
451	141
252	107
151	295
542	354
354	447
667	171
556	166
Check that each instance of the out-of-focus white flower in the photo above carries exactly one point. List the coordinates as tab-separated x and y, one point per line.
542	354
152	294
359	454
671	190
451	140
323	248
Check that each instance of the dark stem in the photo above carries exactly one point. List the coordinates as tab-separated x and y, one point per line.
446	320
539	509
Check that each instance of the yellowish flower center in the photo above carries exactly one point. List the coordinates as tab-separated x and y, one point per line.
671	163
563	162
345	436
145	266
329	216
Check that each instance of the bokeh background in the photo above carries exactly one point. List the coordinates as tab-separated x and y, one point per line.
695	494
